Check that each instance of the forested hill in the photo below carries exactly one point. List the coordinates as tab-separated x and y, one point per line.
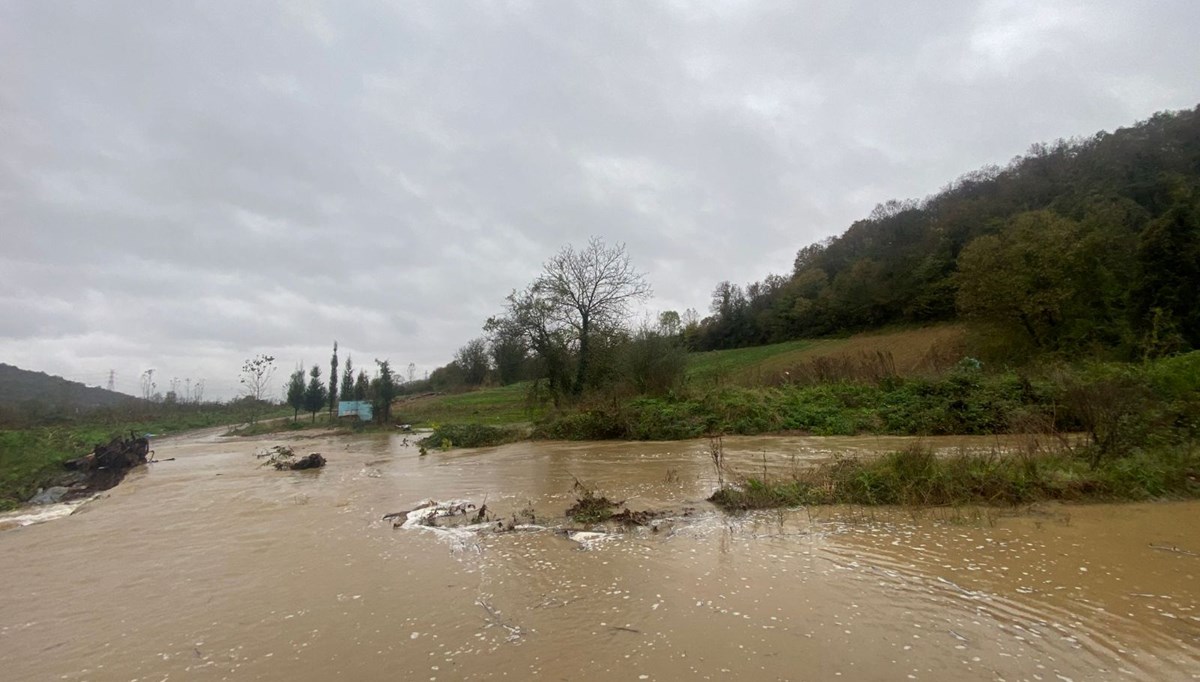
1084	245
18	386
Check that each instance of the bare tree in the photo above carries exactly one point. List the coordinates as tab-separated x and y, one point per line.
590	288
148	384
256	375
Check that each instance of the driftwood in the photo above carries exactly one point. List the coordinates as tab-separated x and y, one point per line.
1173	548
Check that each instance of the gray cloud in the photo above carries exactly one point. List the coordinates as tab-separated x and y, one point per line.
184	185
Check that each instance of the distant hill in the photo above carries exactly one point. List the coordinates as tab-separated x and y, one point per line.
19	386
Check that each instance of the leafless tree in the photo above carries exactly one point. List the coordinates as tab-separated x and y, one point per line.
256	375
588	289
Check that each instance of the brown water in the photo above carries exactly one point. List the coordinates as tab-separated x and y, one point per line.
210	567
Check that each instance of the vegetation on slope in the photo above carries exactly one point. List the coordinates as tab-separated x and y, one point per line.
1081	247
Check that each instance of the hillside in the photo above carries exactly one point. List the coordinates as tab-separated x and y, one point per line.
1081	247
19	386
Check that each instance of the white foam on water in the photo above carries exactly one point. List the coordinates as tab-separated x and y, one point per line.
28	516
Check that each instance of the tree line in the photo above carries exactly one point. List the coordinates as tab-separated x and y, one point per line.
1083	246
1088	246
313	395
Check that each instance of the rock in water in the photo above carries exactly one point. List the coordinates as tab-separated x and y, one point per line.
51	495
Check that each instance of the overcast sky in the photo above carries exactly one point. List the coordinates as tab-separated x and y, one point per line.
184	185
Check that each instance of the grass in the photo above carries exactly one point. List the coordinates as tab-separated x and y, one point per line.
959	403
916	477
916	352
495	406
741	367
742	364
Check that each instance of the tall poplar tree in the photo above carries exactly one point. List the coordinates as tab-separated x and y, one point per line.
333	382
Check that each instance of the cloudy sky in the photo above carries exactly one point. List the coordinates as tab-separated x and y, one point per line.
183	185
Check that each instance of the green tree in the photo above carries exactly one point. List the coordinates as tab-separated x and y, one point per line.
316	394
473	360
362	386
295	392
508	349
384	391
1168	293
1024	277
531	316
348	380
669	323
333	382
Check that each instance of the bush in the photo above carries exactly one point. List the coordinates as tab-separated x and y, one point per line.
448	436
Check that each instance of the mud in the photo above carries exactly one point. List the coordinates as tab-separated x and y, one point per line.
215	568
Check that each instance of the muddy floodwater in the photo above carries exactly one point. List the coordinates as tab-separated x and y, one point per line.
210	567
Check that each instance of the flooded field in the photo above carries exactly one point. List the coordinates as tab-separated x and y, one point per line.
211	567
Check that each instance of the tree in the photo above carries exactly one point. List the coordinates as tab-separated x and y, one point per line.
256	375
1168	297
348	380
385	391
148	384
530	317
669	323
590	288
473	360
1024	277
333	382
295	392
315	395
255	379
362	385
509	351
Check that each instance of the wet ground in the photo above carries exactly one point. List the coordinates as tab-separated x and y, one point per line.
211	567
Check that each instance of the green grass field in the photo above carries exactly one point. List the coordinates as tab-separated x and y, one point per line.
916	351
742	364
492	406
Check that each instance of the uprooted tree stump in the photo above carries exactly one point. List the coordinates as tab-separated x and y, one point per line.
106	465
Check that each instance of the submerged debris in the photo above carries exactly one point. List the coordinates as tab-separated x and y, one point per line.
604	519
283	457
589	508
439	514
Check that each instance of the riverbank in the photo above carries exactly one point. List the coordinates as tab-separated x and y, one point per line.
32	457
1139	424
916	476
